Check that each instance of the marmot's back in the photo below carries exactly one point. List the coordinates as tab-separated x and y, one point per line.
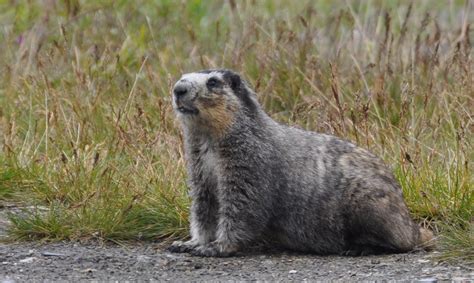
325	177
252	179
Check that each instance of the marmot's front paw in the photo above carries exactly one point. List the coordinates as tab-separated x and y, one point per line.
182	247
215	249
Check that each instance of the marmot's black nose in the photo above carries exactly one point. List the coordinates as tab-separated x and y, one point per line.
180	90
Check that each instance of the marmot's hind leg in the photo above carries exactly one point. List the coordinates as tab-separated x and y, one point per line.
378	222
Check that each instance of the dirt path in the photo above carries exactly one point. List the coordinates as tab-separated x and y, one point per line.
73	261
141	261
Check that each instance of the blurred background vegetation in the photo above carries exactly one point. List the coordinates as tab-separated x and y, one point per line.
89	148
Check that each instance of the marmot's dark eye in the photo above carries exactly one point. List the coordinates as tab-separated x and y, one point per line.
212	82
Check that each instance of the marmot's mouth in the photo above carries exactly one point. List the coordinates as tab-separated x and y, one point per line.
186	110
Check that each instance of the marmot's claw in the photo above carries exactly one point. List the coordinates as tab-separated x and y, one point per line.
181	247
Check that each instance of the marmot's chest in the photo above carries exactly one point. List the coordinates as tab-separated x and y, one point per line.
207	162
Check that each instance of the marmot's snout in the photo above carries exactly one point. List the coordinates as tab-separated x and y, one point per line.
183	97
180	89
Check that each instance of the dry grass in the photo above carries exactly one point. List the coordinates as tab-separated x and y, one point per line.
87	129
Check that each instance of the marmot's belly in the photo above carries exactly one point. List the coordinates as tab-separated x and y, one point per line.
318	239
307	225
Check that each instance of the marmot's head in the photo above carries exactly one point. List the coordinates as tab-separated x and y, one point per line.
211	100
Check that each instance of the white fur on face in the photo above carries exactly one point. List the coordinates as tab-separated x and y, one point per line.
199	79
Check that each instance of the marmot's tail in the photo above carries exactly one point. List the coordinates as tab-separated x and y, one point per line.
427	240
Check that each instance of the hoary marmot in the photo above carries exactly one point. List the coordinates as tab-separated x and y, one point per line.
254	179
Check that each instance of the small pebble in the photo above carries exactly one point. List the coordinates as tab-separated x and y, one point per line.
375	261
28	260
423	260
428	280
51	254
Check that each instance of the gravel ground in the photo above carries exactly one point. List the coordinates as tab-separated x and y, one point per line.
74	261
144	261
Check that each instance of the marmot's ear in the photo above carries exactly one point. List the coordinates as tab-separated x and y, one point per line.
234	80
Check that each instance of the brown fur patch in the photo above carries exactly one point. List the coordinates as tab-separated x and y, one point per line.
217	114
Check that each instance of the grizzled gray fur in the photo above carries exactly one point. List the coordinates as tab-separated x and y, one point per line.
253	179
